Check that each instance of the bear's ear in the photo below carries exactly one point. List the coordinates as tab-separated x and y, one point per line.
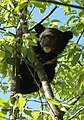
68	35
39	28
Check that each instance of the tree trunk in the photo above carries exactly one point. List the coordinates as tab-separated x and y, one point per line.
16	68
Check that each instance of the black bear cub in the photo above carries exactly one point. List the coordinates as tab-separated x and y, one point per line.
51	42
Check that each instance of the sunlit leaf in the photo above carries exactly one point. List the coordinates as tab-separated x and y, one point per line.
15	105
70	20
2	116
22	103
55	102
66	105
40	5
63	109
35	115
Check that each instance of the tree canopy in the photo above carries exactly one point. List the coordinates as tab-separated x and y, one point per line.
68	83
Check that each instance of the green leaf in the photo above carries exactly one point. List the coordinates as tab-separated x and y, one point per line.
4	68
4	89
15	105
2	116
23	1
80	27
66	67
35	115
21	102
72	12
32	42
71	53
63	109
70	20
75	59
63	28
40	5
55	20
30	55
81	80
2	54
23	118
10	61
81	13
21	4
74	30
78	73
66	105
1	102
28	113
7	53
54	101
72	101
17	95
69	76
66	9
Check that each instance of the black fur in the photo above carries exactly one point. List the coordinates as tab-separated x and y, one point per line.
49	37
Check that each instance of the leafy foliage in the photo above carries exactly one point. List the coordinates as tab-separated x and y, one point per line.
69	78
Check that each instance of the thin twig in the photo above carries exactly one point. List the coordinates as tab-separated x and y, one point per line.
77	98
81	109
7	32
63	4
9	27
37	101
31	109
44	18
80	37
31	11
80	63
77	43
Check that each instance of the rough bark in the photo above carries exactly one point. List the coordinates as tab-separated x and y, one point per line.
16	68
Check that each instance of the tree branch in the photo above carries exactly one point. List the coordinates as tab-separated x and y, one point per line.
81	109
44	18
79	37
9	27
76	98
55	111
31	12
63	4
7	32
45	112
77	43
14	114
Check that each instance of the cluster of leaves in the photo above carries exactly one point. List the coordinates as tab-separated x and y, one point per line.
68	81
